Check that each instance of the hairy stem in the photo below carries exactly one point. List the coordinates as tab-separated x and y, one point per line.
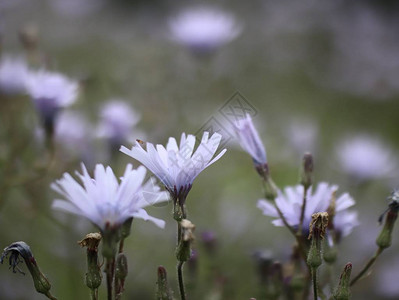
93	294
314	280
367	266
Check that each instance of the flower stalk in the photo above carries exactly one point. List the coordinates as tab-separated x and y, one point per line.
317	230
93	276
384	239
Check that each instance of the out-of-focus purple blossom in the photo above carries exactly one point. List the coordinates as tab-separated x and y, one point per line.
50	92
204	29
13	75
117	121
290	203
364	158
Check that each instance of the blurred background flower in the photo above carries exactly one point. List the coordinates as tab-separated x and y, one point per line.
204	29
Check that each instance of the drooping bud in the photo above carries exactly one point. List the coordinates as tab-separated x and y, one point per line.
317	230
342	292
384	240
307	170
163	291
93	276
183	250
17	249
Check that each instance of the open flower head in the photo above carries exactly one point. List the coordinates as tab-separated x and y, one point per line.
204	29
50	92
105	201
290	203
175	166
250	141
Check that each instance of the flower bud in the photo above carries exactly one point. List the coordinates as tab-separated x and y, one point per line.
121	267
183	250
163	291
307	171
384	240
40	281
329	253
317	229
342	292
93	276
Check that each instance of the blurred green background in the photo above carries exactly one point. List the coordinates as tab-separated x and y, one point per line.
327	70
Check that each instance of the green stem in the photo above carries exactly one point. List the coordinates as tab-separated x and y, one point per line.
180	278
314	279
118	283
48	295
300	225
93	294
110	268
367	266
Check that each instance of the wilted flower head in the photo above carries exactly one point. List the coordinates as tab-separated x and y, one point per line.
50	92
117	121
19	250
105	201
13	75
204	29
250	141
290	203
178	167
366	158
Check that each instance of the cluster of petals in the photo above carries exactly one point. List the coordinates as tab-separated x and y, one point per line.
365	158
178	166
290	203
105	201
50	91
